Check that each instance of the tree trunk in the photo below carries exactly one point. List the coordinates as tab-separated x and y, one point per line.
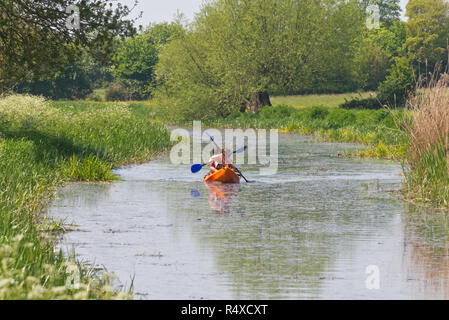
257	101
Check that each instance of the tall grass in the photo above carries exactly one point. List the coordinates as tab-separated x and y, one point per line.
428	143
373	128
42	145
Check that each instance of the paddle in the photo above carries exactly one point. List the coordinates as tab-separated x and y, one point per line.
243	176
212	138
197	167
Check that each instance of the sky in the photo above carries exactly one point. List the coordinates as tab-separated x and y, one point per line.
165	10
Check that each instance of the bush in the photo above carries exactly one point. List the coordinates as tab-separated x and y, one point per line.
72	84
117	92
398	85
137	90
368	103
94	96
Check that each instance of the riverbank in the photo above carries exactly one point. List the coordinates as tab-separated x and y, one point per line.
386	134
377	130
42	146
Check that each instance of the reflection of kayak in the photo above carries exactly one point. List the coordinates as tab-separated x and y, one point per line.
222	190
221	195
226	175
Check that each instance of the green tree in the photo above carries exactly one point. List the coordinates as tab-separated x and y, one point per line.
135	58
238	51
37	37
371	65
399	84
376	52
72	83
427	32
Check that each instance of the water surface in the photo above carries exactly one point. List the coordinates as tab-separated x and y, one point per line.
308	232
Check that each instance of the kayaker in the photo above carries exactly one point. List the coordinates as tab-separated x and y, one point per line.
216	161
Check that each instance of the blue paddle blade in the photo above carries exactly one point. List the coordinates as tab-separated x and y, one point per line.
241	149
196	167
195	193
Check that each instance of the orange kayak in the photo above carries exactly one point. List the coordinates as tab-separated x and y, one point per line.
226	175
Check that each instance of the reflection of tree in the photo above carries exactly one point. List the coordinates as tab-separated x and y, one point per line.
282	240
82	194
427	253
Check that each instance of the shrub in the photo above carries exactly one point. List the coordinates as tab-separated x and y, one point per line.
117	92
94	96
398	85
73	83
368	103
137	90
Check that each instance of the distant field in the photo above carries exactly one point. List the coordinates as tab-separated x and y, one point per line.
308	100
328	100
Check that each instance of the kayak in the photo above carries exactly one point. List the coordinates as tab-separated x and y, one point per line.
225	175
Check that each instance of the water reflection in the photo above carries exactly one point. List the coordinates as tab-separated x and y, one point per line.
308	232
221	195
427	247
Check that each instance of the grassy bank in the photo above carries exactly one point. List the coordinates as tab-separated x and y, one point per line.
376	129
310	100
43	145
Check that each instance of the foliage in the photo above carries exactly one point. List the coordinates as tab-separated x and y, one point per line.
376	52
72	83
117	92
368	103
427	32
233	51
371	65
35	39
398	85
135	58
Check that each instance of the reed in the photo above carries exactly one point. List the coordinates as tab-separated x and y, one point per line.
428	142
43	145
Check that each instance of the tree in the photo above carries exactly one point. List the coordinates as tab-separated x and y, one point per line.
427	32
371	65
399	84
238	51
135	58
376	52
41	37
